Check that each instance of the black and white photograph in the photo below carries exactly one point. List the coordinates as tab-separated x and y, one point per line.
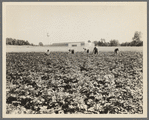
74	59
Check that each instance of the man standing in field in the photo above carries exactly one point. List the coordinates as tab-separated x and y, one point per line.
87	51
95	51
72	51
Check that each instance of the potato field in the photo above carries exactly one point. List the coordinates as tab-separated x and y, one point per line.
79	83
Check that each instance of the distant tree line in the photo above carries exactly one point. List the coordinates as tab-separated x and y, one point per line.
40	44
136	41
59	44
102	42
10	41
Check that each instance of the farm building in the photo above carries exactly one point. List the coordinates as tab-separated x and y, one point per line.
76	45
70	44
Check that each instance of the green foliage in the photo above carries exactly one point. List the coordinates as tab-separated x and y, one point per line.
114	43
40	44
137	36
136	40
74	84
125	44
102	42
10	41
89	41
95	43
60	44
136	43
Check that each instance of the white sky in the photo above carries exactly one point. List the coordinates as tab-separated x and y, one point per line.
66	23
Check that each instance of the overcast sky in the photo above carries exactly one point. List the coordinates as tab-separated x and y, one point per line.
66	23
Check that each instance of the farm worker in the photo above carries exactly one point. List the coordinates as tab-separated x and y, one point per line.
116	50
47	53
95	51
88	46
86	50
71	51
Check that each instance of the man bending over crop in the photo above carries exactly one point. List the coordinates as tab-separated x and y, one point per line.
86	50
47	53
116	51
71	51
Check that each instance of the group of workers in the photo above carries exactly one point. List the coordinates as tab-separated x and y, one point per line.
95	51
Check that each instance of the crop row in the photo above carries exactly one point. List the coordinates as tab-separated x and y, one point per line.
63	83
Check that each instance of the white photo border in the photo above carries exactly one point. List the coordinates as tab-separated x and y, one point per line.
144	115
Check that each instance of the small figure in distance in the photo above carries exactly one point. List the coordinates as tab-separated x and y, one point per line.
86	50
69	50
72	51
47	53
116	51
95	51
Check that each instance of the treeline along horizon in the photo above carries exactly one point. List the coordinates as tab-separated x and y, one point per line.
136	41
102	42
10	41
